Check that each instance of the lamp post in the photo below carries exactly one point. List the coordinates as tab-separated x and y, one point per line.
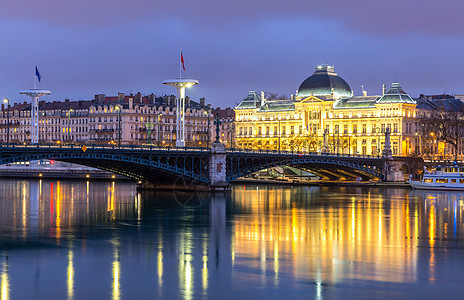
280	133
349	144
7	101
119	125
159	116
420	143
207	144
433	146
69	124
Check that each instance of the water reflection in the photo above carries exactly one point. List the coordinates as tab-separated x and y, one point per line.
106	240
4	280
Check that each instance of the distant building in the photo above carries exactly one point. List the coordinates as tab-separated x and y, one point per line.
143	120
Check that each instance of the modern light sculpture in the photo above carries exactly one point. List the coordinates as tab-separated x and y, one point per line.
35	94
180	84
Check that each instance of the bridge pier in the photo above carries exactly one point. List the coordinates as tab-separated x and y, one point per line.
217	167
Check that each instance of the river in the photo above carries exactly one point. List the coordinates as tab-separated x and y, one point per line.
106	240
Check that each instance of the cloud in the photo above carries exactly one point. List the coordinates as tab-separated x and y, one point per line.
386	18
272	52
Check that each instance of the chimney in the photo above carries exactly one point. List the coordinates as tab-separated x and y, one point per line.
384	89
202	101
263	100
187	101
364	93
131	102
152	98
138	97
101	98
120	97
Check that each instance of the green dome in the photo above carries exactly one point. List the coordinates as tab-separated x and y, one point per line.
396	95
324	82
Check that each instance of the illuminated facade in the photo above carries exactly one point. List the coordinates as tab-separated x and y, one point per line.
324	116
130	119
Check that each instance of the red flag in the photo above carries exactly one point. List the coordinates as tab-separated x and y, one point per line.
182	60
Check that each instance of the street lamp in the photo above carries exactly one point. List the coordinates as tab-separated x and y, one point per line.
207	113
279	132
119	125
6	100
433	146
69	124
349	144
420	142
159	116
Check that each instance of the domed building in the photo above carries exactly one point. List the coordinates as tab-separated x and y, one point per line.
324	82
324	116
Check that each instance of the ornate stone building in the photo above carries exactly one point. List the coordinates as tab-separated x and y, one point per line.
324	116
128	119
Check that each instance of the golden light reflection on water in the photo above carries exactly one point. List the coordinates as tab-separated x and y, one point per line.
373	229
70	274
4	280
116	271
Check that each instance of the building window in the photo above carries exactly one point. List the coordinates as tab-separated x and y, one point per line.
395	128
345	128
364	128
355	128
292	130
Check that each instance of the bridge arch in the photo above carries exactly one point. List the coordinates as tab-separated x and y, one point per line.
331	166
145	165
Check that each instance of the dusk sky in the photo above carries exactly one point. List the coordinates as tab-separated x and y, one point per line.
87	47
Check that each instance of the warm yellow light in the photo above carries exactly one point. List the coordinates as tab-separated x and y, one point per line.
113	176
6	100
87	175
432	133
40	174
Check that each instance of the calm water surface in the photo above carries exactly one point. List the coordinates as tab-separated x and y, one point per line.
104	240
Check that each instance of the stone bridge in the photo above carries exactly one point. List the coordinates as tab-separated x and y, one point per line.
160	167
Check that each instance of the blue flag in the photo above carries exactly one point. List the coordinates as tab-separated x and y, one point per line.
37	73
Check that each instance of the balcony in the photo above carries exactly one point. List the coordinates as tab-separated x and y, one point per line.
105	130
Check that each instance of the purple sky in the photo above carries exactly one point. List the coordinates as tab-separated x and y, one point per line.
87	47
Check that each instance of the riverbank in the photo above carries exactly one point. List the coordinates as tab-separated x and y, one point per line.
321	183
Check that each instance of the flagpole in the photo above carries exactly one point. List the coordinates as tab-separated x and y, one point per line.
35	79
180	64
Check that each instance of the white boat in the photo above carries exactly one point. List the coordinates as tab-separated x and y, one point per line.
441	178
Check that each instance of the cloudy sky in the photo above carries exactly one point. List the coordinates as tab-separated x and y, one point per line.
87	47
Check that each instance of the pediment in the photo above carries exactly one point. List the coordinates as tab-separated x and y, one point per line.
309	100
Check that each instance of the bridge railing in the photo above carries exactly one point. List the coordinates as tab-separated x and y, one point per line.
99	146
301	153
156	148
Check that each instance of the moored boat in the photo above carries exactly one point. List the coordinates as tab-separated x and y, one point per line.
441	178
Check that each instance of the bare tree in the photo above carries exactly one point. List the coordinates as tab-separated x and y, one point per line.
447	125
274	96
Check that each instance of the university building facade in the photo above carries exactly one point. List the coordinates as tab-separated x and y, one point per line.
324	116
